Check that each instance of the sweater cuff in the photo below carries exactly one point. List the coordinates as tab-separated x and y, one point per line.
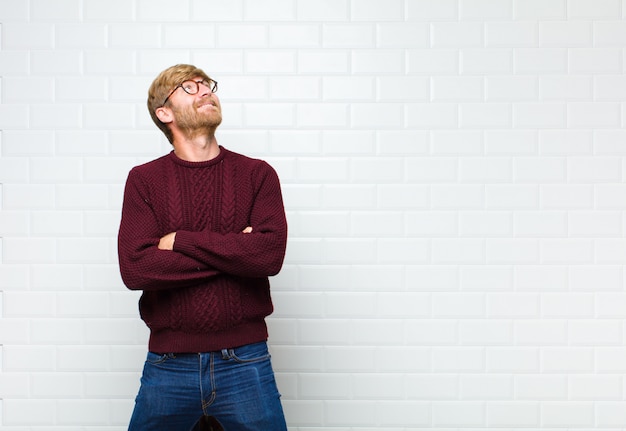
184	242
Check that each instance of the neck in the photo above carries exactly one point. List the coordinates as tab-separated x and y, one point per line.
196	149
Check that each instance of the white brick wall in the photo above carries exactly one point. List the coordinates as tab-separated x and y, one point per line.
454	175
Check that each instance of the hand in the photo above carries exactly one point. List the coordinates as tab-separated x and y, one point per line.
247	230
167	242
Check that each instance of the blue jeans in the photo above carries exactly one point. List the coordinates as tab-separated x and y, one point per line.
236	386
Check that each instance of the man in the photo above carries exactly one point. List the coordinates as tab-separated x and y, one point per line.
202	228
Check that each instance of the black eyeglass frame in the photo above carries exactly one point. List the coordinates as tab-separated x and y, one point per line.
211	84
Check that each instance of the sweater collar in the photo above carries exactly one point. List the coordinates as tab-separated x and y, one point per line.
174	158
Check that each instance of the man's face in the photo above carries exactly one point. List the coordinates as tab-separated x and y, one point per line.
198	113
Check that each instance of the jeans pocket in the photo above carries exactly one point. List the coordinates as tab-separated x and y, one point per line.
256	352
158	358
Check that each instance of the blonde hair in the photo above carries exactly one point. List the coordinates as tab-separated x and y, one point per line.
163	84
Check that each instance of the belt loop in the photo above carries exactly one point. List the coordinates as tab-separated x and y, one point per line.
225	354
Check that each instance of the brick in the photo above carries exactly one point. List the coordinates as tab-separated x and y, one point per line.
350	142
485	115
594	169
72	36
383	61
558	251
595	61
241	35
58	115
275	115
431	332
611	33
348	88
432	387
457	89
265	62
402	35
325	387
461	305
603	9
485	61
565	142
541	60
478	332
512	305
467	251
457	34
294	36
511	34
570	196
510	142
480	387
29	250
370	10
516	88
538	387
510	197
431	116
560	305
540	170
432	170
324	10
594	115
594	333
513	414
454	414
408	251
14	11
541	224
610	414
537	333
485	170
540	115
276	10
457	196
159	11
486	278
595	278
566	88
20	35
485	10
541	278
433	62
572	34
434	278
377	115
540	9
431	224
350	413
351	36
323	115
211	11
114	10
512	359
567	359
377	223
433	10
609	359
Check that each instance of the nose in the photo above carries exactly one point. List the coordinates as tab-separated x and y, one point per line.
204	89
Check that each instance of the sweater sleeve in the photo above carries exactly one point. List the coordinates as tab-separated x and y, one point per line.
257	254
142	265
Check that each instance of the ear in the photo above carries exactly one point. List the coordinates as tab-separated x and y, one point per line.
164	114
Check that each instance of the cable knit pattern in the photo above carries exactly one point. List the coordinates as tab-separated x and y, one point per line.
211	291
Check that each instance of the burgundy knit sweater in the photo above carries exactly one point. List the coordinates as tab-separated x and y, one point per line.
211	291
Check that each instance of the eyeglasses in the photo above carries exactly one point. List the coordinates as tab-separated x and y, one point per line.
192	87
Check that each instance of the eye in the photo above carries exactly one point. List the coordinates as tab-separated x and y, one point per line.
190	86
